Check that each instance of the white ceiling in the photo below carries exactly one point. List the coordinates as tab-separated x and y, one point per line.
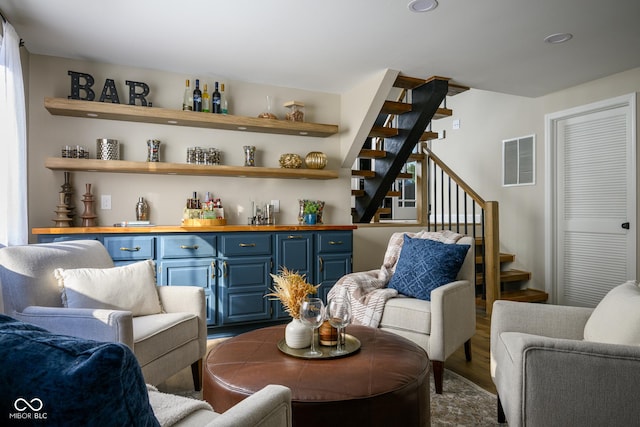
332	45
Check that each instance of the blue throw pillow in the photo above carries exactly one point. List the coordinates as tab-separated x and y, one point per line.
425	265
58	380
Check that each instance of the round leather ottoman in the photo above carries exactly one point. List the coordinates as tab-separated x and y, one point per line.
386	383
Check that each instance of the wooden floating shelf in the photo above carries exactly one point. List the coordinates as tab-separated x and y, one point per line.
164	168
134	113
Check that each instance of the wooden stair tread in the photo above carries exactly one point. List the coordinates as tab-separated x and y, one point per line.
367	153
522	295
383	211
508	276
455	88
394	194
442	113
357	193
428	136
503	258
395	107
383	132
525	295
404	175
406	82
363	173
417	156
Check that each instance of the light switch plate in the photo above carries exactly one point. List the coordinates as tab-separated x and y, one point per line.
105	202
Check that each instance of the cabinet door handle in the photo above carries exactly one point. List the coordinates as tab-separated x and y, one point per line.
213	269
224	269
332	242
136	249
321	263
294	237
247	245
195	247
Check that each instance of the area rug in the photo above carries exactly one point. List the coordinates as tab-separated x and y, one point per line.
461	404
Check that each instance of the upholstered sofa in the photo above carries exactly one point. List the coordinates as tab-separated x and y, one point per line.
165	326
441	320
568	366
63	380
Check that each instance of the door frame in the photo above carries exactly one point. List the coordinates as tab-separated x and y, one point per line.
551	224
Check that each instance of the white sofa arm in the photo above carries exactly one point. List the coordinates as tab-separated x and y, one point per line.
98	325
269	407
538	372
453	318
187	299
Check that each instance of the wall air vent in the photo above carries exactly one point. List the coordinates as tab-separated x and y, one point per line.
518	161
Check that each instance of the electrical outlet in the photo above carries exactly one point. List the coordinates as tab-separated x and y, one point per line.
276	205
105	202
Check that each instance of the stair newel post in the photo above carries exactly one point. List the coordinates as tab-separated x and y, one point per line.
492	255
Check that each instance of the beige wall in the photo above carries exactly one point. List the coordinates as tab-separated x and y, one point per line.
473	151
487	118
167	194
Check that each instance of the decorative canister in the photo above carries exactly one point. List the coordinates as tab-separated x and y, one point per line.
153	150
316	160
296	111
249	155
107	149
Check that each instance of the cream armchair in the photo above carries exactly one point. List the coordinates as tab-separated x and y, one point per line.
560	366
440	326
163	343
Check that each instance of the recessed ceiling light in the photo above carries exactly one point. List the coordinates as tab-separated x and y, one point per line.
558	38
422	5
92	115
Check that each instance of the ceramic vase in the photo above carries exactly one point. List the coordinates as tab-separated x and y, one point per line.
297	334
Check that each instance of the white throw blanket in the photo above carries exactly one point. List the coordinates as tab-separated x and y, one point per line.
170	408
368	290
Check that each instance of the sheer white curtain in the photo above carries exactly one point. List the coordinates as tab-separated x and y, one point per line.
13	142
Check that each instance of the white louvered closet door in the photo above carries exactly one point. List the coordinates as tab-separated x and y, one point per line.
595	188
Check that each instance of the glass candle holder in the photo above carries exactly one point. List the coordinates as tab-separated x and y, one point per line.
153	150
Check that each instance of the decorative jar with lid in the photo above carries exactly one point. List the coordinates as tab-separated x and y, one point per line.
296	111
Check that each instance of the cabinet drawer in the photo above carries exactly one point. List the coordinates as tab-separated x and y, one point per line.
187	246
245	244
335	241
126	248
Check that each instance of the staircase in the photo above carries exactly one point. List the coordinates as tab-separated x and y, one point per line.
511	280
450	203
391	147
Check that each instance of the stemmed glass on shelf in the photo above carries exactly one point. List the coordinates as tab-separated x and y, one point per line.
312	315
339	316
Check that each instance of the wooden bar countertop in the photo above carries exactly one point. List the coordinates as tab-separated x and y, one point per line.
182	229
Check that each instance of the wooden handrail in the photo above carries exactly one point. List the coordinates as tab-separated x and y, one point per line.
490	233
465	187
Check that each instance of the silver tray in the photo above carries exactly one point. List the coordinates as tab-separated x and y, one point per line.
351	345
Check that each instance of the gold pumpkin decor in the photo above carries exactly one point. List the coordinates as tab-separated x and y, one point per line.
316	160
290	161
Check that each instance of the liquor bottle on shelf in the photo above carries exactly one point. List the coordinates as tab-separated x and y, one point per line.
197	97
187	102
224	103
206	101
216	101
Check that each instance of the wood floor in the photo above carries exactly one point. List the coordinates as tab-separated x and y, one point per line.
477	370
